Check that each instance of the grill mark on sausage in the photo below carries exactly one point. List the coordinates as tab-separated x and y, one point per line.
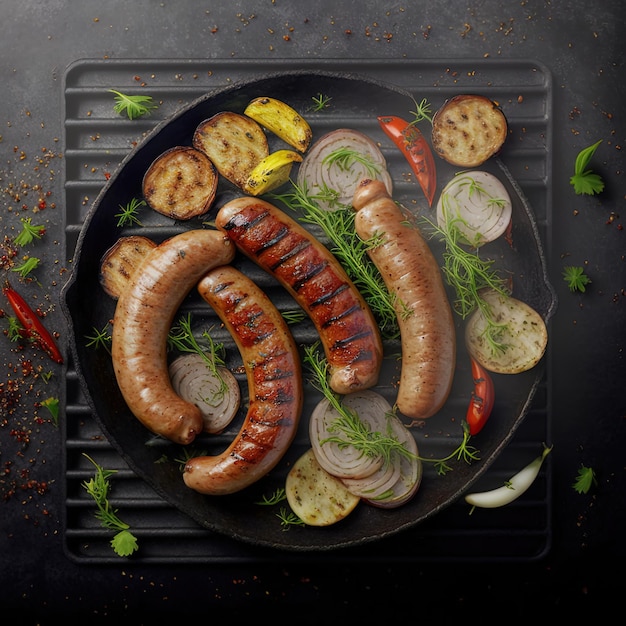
273	372
306	268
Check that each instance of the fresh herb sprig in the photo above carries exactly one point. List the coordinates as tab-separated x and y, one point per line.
468	274
29	232
128	213
100	338
422	112
124	543
27	266
585	479
585	181
345	158
181	338
353	431
350	250
133	106
320	102
576	278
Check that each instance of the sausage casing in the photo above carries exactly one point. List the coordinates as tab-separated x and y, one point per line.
313	276
143	316
274	375
413	277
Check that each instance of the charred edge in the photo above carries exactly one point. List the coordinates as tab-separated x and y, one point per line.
329	296
221	286
300	247
276	398
317	269
363	354
349	311
239	221
280	235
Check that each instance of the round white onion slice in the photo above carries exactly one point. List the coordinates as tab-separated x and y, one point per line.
346	461
410	472
478	203
321	170
217	397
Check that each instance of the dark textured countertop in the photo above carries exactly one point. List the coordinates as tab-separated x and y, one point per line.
580	44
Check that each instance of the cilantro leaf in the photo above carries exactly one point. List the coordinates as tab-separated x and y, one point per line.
585	181
585	479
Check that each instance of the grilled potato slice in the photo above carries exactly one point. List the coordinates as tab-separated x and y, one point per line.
272	172
314	495
181	183
235	143
121	260
281	119
468	130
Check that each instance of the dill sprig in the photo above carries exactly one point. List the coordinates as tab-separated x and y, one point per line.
128	214
345	158
100	338
468	274
181	338
350	429
350	250
124	543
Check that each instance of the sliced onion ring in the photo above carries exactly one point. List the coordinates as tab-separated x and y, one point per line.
218	398
480	202
318	176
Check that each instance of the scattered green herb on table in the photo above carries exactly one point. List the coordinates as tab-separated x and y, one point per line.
52	404
124	543
27	266
585	181
29	232
128	214
575	278
133	106
585	479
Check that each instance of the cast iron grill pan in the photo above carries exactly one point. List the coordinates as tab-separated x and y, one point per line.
96	142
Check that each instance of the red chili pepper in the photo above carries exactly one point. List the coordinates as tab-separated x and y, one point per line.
32	324
412	143
482	399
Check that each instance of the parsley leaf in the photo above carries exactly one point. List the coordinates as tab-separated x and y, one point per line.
575	278
585	479
29	232
124	543
585	182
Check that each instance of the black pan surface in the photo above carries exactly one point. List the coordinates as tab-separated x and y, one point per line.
356	103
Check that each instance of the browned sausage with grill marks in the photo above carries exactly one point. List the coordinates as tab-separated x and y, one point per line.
316	280
273	370
143	316
413	277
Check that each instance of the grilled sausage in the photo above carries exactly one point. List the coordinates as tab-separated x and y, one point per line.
318	283
143	317
274	375
413	277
